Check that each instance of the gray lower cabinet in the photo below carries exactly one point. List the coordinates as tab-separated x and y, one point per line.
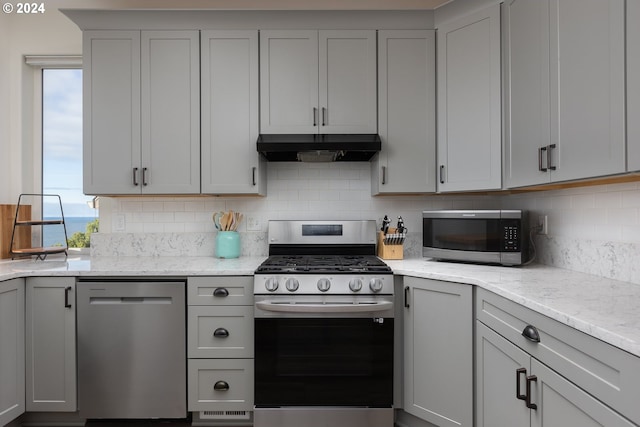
51	344
12	382
565	379
220	347
438	351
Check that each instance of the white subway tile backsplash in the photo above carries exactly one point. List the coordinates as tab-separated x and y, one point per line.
581	220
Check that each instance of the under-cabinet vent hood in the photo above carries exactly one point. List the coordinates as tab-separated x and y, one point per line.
319	148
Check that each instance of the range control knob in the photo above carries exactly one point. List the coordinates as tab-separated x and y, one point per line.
355	285
375	285
292	284
271	284
324	285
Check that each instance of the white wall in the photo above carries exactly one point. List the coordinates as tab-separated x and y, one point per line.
5	145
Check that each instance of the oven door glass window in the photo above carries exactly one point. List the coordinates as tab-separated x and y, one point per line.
479	235
324	362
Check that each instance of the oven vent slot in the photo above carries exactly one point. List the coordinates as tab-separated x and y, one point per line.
224	415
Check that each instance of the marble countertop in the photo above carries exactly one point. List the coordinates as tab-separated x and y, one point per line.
603	308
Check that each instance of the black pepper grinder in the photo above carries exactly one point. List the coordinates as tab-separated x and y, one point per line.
400	228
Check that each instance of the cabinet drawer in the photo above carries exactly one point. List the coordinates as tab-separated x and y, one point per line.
608	373
231	290
204	374
220	332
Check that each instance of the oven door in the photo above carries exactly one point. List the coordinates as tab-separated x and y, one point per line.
324	360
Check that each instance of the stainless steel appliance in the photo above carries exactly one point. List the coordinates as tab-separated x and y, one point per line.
324	328
131	349
484	236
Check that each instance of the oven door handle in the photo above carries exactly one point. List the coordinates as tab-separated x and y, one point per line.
324	308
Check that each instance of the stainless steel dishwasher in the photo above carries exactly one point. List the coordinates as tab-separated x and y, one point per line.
131	349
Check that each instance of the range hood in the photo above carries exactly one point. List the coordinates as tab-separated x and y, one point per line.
318	148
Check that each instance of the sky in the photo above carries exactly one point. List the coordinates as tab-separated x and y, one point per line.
62	142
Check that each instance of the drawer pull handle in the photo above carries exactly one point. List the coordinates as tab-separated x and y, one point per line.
221	333
406	297
530	379
531	333
221	386
519	372
221	292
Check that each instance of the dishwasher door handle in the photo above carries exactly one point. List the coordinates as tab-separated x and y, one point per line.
129	300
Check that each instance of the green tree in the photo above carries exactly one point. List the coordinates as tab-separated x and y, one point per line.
83	240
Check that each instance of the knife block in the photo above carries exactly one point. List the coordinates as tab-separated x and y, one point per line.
389	251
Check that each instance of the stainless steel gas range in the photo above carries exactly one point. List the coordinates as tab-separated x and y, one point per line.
324	326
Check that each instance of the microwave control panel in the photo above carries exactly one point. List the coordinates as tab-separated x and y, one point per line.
510	236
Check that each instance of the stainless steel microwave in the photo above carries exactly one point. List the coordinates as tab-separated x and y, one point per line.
481	236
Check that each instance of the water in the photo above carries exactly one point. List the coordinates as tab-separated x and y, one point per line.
53	235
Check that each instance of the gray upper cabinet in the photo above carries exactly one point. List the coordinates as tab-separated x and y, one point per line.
12	385
568	122
633	85
469	104
230	162
51	344
438	352
406	108
111	109
141	112
318	81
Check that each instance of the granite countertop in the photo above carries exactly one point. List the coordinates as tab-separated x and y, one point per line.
603	308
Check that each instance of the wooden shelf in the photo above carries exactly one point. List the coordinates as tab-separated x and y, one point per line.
22	223
45	222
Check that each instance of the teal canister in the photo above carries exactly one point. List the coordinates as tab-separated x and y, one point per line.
228	244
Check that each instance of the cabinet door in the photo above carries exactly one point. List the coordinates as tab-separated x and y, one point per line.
111	112
526	77
170	112
587	87
288	81
230	162
51	344
438	359
12	385
469	105
347	81
633	85
406	104
560	403
497	362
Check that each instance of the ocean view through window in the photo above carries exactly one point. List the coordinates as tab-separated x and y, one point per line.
62	157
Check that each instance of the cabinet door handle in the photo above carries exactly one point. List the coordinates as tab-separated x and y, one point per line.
324	116
253	175
530	379
221	333
531	333
519	372
221	292
406	296
144	177
384	175
552	146
221	386
67	304
135	176
540	167
441	174
315	116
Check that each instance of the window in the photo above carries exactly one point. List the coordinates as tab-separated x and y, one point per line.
62	156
